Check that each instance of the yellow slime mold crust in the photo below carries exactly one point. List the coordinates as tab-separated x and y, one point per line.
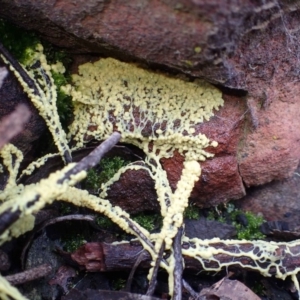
143	106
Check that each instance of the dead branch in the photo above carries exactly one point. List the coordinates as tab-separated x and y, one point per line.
153	280
89	218
178	270
13	62
94	157
141	257
29	275
123	257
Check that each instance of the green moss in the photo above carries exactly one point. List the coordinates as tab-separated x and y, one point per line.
228	213
191	212
64	102
72	243
118	284
55	54
107	169
148	221
92	181
65	208
104	222
17	41
258	288
252	231
216	214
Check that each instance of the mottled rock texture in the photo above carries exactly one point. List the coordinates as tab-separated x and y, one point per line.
276	201
247	48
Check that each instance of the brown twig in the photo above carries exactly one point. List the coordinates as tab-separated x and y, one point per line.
193	293
94	157
89	218
153	280
34	90
178	270
138	232
141	257
8	217
288	257
29	275
12	61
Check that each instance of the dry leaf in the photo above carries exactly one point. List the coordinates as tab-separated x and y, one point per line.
229	290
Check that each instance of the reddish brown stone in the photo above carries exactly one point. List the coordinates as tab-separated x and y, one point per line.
134	192
271	148
196	37
220	182
220	179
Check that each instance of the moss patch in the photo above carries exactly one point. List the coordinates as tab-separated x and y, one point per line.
17	41
148	221
72	243
105	170
228	213
191	212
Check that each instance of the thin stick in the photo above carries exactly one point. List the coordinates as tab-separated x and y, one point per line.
153	279
19	69
40	98
178	270
138	232
94	157
142	256
29	275
89	218
193	293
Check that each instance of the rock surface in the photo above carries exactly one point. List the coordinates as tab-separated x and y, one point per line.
248	48
276	201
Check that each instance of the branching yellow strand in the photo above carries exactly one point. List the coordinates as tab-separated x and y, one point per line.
8	292
45	100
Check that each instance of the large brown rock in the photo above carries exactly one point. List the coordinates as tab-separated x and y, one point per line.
196	36
248	48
